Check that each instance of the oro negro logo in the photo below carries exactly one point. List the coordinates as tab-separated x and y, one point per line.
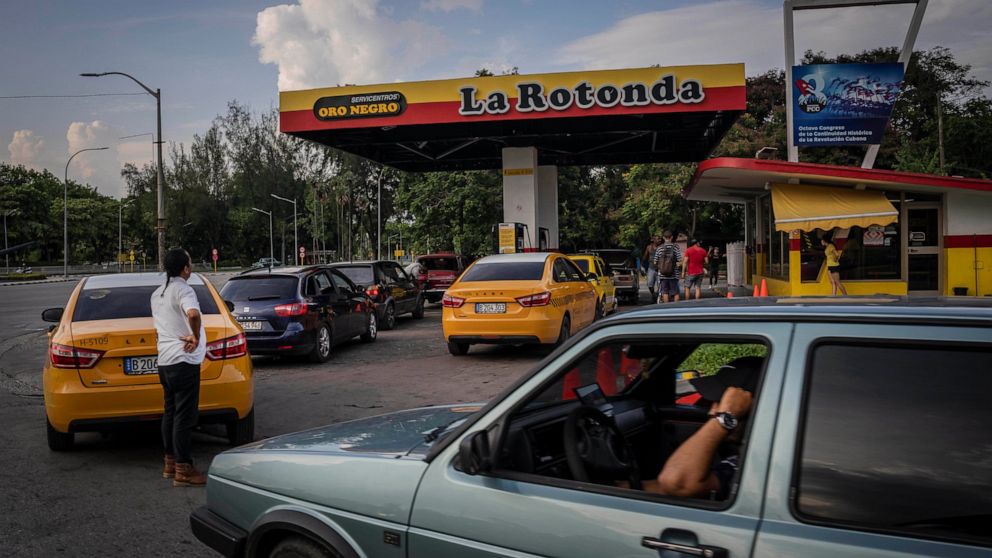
365	105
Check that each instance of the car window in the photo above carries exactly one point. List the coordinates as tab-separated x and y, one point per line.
342	283
896	438
399	272
260	287
129	302
599	269
570	270
320	282
389	273
504	271
359	274
436	264
583	265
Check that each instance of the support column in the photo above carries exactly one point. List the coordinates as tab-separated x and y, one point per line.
530	194
547	204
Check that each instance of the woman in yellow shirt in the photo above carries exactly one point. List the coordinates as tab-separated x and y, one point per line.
833	263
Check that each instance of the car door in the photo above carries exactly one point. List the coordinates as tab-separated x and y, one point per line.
351	302
582	292
330	308
504	514
606	283
394	286
411	291
883	447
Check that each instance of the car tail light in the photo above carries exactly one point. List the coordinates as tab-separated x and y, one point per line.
449	301
294	309
373	292
228	348
65	356
540	299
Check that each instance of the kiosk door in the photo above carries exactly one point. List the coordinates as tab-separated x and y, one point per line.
923	248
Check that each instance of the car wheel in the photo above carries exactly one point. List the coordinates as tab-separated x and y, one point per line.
457	349
599	310
389	318
59	441
322	346
418	312
242	431
372	330
565	333
295	546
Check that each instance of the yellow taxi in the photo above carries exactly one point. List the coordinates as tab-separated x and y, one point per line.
101	366
536	297
606	290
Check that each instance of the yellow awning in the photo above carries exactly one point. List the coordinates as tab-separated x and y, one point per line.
802	207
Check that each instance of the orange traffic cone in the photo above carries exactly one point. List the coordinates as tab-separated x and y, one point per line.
764	288
756	294
572	381
730	294
606	372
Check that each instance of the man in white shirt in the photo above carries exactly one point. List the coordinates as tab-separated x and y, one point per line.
182	344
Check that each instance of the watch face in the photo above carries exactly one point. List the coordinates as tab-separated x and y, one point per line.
727	420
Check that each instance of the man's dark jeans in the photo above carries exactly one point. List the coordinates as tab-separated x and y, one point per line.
181	383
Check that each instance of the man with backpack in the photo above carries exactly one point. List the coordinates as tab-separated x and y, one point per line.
666	261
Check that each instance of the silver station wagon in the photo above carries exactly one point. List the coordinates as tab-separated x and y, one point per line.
843	427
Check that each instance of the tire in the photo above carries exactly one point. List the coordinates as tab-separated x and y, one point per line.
322	345
295	546
565	332
599	310
372	331
242	431
418	311
59	441
388	318
457	349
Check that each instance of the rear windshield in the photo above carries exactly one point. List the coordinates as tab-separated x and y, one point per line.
275	287
583	265
359	274
617	259
439	264
504	271
129	302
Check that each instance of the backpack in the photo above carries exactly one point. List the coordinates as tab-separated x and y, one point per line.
666	262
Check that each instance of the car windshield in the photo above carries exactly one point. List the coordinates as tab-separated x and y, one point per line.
439	264
504	271
583	265
265	287
128	302
359	274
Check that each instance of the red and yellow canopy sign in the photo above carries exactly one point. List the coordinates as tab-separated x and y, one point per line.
516	97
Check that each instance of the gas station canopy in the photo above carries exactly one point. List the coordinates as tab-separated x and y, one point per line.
575	118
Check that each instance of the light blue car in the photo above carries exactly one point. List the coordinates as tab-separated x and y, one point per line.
867	434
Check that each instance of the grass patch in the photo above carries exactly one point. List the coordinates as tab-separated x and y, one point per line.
709	357
23	277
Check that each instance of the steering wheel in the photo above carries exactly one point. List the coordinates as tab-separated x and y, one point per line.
593	442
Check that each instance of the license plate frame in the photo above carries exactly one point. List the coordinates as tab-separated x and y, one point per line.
251	325
140	365
490	308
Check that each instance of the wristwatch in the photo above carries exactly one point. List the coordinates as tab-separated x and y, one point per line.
727	420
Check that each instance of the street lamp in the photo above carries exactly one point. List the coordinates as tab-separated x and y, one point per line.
296	239
392	236
120	234
161	175
65	210
271	250
6	257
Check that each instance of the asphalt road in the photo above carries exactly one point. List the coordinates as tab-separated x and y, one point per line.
107	497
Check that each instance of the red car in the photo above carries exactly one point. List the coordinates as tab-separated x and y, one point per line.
438	272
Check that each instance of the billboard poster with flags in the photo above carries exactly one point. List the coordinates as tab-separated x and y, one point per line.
843	104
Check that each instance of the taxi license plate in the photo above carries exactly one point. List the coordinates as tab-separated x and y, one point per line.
251	326
490	308
138	366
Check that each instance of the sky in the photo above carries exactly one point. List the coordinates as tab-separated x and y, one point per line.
202	55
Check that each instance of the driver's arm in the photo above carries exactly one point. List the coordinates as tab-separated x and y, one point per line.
688	473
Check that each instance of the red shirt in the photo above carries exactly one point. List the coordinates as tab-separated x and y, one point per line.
694	257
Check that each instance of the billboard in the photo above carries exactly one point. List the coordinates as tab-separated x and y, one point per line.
843	104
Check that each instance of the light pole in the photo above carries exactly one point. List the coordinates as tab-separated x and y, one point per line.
296	239
271	250
6	257
392	236
65	210
161	175
120	234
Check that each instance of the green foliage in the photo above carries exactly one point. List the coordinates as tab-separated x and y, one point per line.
709	357
22	276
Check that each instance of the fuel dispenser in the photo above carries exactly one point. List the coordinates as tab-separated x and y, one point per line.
513	238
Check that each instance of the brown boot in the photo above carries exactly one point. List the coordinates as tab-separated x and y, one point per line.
169	470
187	475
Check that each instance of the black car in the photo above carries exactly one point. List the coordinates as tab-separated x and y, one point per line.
392	291
299	310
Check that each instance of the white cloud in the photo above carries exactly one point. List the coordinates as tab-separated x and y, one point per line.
318	43
451	5
751	32
26	149
101	169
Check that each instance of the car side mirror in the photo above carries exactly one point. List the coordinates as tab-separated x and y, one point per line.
473	454
230	305
52	315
